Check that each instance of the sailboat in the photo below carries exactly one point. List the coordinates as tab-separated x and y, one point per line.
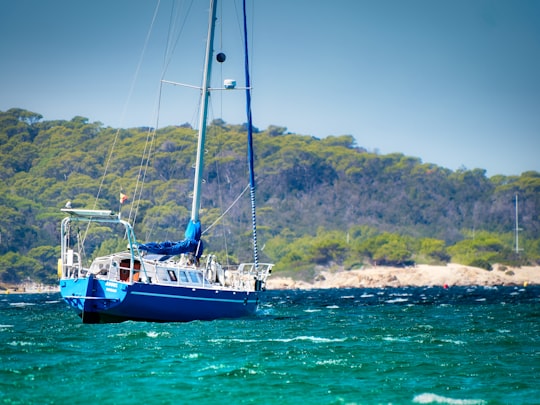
164	281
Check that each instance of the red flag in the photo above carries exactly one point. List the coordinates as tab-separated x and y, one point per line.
123	198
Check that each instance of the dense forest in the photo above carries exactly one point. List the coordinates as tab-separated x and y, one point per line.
323	202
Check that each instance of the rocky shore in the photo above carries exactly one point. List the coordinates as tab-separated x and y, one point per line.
418	276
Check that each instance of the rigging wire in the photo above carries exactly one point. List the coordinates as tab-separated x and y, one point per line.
218	219
242	27
124	111
173	35
139	184
130	94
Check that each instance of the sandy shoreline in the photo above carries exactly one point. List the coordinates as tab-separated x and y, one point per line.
419	276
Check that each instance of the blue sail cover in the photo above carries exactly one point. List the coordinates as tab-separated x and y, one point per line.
192	243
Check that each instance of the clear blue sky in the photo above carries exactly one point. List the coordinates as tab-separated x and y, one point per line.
453	82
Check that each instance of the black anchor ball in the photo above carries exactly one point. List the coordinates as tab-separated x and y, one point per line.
220	57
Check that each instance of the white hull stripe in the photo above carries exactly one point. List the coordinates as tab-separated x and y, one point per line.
82	297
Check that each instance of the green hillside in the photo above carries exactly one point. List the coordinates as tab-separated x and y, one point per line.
320	201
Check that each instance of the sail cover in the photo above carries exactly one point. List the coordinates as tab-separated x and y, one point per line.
192	243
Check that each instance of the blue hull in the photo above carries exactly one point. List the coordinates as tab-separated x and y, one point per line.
100	301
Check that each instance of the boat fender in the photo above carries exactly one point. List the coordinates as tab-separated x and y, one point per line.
210	273
220	273
114	270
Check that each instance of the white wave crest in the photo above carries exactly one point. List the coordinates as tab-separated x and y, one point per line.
429	398
21	304
396	300
313	339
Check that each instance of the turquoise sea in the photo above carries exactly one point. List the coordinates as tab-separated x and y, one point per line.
351	346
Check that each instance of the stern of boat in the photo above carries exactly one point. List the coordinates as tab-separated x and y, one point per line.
248	276
90	297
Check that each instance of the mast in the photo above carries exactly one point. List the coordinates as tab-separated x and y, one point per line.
205	89
250	142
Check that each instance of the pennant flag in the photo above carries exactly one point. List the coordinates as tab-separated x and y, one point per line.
123	198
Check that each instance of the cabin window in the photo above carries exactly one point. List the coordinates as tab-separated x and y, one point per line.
172	275
194	277
183	277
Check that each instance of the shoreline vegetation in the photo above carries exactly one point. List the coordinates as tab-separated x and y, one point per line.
429	220
375	277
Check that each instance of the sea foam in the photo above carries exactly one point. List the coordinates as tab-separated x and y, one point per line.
429	398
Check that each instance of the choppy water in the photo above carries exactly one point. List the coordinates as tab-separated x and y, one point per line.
354	346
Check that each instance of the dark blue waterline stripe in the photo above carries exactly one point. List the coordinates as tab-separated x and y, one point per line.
191	298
